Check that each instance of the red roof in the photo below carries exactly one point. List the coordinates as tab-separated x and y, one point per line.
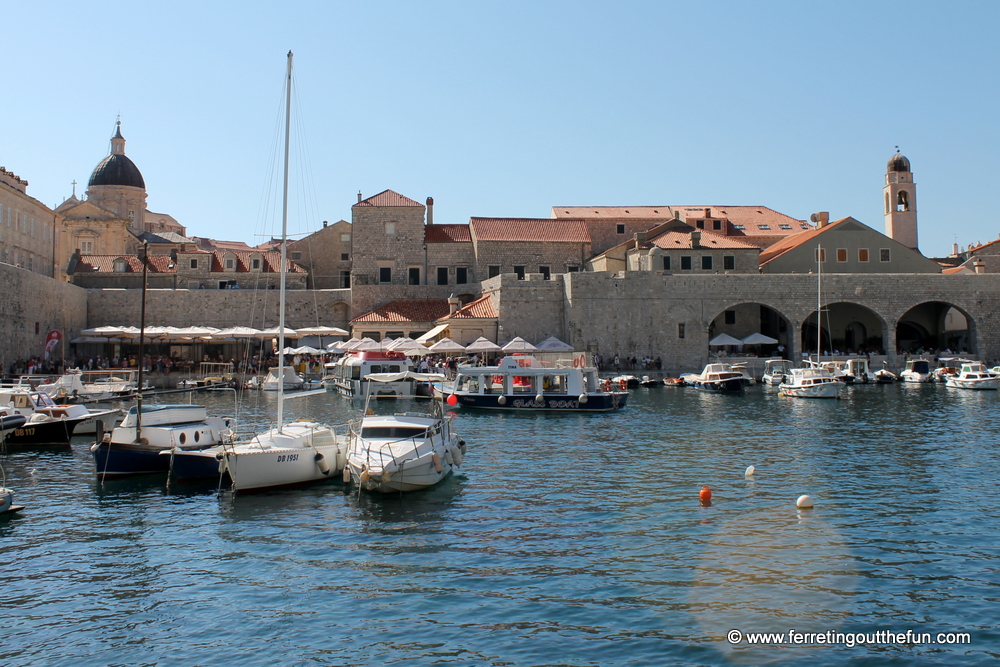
106	264
792	242
272	260
530	229
481	308
447	234
678	238
388	198
744	220
407	310
613	212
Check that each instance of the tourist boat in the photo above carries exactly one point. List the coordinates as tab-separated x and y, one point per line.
287	454
211	375
49	424
346	375
917	370
86	386
719	378
973	375
402	452
523	383
134	447
856	371
812	382
775	371
7	495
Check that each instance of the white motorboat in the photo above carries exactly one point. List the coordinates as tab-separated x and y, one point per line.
719	378
856	371
973	375
345	375
917	370
211	375
402	452
51	424
291	380
287	454
813	382
775	371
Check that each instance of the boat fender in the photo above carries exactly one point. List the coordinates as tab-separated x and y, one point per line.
448	457
539	398
437	461
144	442
502	400
456	455
583	398
347	475
623	384
386	476
364	476
461	445
321	463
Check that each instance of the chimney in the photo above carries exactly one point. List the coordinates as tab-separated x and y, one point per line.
822	219
359	196
696	239
640	239
325	223
708	213
430	211
453	304
954	250
979	265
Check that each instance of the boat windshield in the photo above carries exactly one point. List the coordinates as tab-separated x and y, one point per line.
392	432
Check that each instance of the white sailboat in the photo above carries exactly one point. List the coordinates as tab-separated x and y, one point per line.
288	454
816	381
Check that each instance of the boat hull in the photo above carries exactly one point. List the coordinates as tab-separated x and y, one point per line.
121	460
729	386
279	466
49	433
826	390
988	383
604	402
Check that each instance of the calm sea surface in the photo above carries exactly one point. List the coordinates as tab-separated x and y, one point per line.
566	540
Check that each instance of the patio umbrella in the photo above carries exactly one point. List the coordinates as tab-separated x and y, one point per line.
321	331
367	344
759	339
237	332
519	345
553	344
273	332
482	344
725	339
446	345
105	331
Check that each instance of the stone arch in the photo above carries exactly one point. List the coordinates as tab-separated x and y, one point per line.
902	201
742	319
847	328
936	326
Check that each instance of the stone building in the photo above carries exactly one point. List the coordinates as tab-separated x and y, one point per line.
900	194
26	227
325	255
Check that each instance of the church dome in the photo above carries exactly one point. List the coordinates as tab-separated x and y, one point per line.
117	169
898	162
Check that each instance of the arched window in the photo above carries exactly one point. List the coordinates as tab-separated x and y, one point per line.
902	201
888	205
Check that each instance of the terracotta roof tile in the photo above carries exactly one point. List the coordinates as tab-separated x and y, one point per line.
682	239
613	212
530	229
791	242
272	260
744	220
388	198
447	234
407	310
479	309
106	264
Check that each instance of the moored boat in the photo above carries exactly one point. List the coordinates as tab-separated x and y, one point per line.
346	375
917	370
813	382
48	424
775	371
719	378
973	375
7	495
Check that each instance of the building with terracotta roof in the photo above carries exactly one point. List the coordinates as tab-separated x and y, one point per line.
431	319
325	255
26	226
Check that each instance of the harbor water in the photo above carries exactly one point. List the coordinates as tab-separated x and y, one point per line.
565	540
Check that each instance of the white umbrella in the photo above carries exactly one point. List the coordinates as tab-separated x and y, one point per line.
367	344
759	339
305	349
446	345
321	331
553	344
237	332
274	331
107	331
416	352
519	345
482	344
725	339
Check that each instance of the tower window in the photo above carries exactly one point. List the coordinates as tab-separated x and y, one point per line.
902	201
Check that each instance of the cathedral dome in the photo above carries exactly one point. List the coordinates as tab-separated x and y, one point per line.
898	162
117	169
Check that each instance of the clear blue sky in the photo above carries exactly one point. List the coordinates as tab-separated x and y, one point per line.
506	109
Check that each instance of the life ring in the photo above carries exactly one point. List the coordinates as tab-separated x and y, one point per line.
606	385
576	362
623	384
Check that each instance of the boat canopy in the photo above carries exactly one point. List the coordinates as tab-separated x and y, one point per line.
405	375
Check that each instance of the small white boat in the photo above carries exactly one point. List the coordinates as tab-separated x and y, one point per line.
856	371
49	423
814	382
291	381
917	370
775	371
885	376
973	375
402	452
719	378
211	375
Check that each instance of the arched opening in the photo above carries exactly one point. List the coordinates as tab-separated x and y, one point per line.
902	201
888	207
745	319
936	328
847	329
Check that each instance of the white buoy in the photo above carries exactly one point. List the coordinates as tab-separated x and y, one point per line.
750	471
539	398
804	502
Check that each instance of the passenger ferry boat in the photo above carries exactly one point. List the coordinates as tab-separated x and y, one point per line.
346	375
523	383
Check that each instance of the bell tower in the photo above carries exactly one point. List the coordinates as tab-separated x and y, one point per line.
900	202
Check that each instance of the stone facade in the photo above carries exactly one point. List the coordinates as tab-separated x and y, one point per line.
325	255
388	241
26	227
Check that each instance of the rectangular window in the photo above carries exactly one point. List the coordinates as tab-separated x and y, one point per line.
620	228
546	272
841	254
819	254
717	225
194	264
493	271
385	274
86	247
706	262
461	275
255	263
685	263
666	262
442	275
785	226
764	227
729	262
296	255
345	256
680	330
519	270
345	279
862	254
700	224
730	317
229	264
413	274
883	255
572	268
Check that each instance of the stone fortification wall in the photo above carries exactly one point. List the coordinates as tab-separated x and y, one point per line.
669	315
217	308
32	305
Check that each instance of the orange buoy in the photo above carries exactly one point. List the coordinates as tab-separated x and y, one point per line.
705	495
452	400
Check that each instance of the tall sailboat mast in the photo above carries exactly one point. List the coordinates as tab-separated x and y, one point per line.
819	302
284	248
